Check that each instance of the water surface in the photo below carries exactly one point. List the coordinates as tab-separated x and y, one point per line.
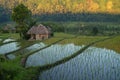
51	54
9	47
8	40
93	64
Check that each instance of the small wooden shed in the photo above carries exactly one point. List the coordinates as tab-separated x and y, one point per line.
40	32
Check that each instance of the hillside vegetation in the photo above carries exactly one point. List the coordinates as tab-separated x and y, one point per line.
65	10
64	6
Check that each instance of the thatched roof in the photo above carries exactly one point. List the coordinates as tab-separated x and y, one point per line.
40	29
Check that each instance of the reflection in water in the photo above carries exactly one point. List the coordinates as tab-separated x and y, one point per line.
9	47
8	40
51	54
92	64
11	56
27	50
32	48
36	46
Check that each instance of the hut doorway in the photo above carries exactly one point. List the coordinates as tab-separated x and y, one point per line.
34	36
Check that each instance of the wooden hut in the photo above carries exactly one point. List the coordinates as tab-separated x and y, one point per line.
40	32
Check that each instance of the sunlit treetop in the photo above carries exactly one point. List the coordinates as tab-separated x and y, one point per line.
63	6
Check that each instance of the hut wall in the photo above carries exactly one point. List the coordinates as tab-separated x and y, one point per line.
45	36
37	37
42	37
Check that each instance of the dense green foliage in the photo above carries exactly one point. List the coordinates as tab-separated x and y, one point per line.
68	10
21	15
12	70
56	27
63	6
85	28
95	31
83	17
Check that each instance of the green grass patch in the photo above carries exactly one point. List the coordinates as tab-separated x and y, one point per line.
9	35
82	40
63	35
113	44
51	40
12	70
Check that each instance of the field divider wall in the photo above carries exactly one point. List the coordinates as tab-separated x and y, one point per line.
3	39
52	65
24	59
14	52
1	44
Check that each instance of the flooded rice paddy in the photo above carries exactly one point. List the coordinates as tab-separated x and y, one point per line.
9	47
93	64
51	54
8	40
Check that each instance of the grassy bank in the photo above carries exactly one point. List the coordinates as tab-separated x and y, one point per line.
13	70
113	44
80	40
9	35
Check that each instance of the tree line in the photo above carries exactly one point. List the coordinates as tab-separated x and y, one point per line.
83	17
65	10
64	6
24	19
85	28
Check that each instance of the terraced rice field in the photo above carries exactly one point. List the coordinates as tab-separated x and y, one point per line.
51	54
9	47
93	64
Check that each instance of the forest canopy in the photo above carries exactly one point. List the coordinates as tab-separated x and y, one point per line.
65	10
65	6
